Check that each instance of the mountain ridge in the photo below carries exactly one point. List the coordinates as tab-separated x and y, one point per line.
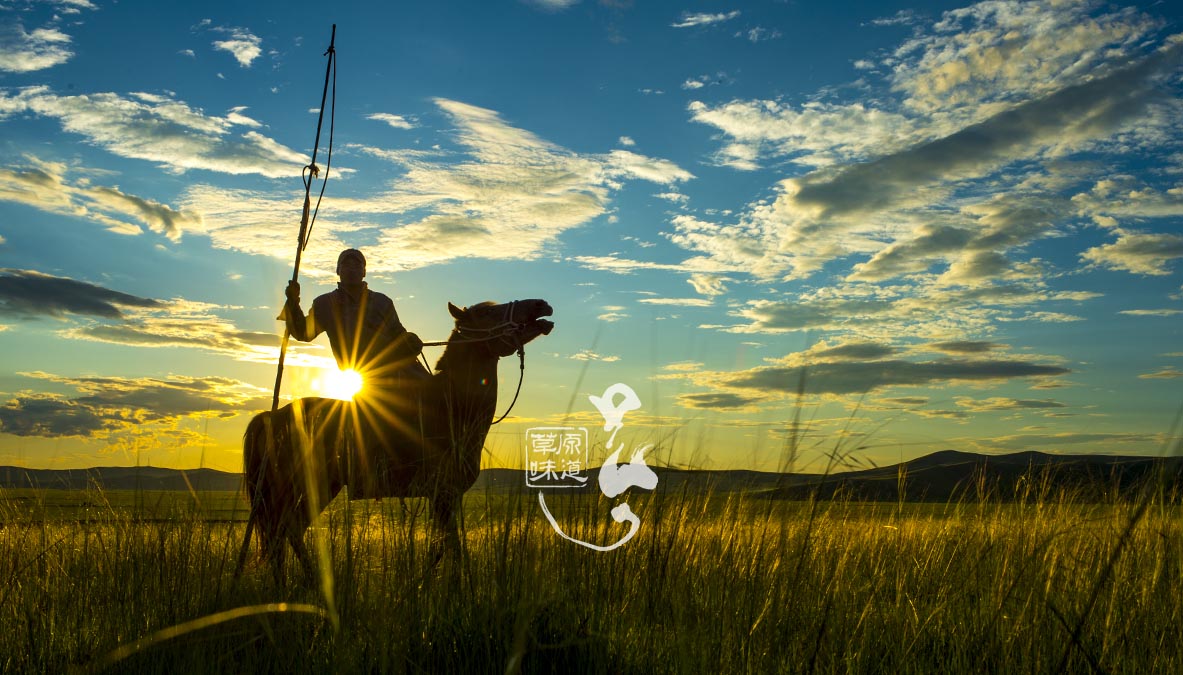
939	476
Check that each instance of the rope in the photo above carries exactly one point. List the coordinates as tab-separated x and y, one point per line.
332	54
521	376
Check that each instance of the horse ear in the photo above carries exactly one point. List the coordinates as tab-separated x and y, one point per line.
457	313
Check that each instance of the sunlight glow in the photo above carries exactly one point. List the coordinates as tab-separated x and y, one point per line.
339	384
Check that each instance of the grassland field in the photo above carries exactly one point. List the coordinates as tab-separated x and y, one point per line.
142	582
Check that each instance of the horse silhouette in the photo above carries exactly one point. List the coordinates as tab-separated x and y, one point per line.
401	437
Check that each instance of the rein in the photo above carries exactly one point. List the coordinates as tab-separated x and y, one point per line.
507	327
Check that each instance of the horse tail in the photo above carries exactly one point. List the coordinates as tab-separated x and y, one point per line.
254	467
266	450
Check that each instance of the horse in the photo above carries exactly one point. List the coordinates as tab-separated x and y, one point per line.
400	437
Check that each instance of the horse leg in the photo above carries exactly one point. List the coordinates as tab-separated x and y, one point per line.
445	537
297	543
276	553
295	536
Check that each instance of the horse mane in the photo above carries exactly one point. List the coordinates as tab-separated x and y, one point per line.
442	363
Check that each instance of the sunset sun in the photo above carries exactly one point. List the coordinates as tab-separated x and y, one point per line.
339	384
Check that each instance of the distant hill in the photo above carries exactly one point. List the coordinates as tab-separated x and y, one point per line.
120	478
941	476
950	475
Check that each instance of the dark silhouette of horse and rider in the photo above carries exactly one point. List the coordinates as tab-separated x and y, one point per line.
408	432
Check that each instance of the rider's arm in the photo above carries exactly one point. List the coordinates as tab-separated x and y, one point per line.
303	328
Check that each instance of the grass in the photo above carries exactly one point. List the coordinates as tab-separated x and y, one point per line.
710	584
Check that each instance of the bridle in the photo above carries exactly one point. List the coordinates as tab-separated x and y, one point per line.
508	331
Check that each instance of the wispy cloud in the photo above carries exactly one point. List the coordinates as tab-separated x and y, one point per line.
843	376
813	134
130	320
1167	373
612	313
678	302
759	34
1138	253
243	45
186	324
709	284
396	121
904	17
103	406
158	129
508	197
589	355
690	20
28	294
47	186
885	170
965	346
1151	312
894	312
1017	442
22	52
1004	404
990	53
552	5
728	401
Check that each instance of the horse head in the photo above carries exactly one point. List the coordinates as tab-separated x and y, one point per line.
504	328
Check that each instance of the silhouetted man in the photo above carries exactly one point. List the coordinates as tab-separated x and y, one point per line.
366	335
363	327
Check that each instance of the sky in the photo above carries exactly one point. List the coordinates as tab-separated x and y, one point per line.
795	229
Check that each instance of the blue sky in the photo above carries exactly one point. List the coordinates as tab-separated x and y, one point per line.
961	223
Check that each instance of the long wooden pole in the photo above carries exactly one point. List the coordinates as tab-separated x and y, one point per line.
301	243
312	170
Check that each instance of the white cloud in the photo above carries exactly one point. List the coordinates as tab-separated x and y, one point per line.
904	17
848	208
508	197
689	20
997	52
813	134
627	141
22	52
693	83
46	186
623	163
396	121
675	197
708	284
589	355
195	325
244	46
1006	404
552	5
678	302
1151	312
106	407
759	34
1167	373
611	263
927	311
856	376
1138	253
159	129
